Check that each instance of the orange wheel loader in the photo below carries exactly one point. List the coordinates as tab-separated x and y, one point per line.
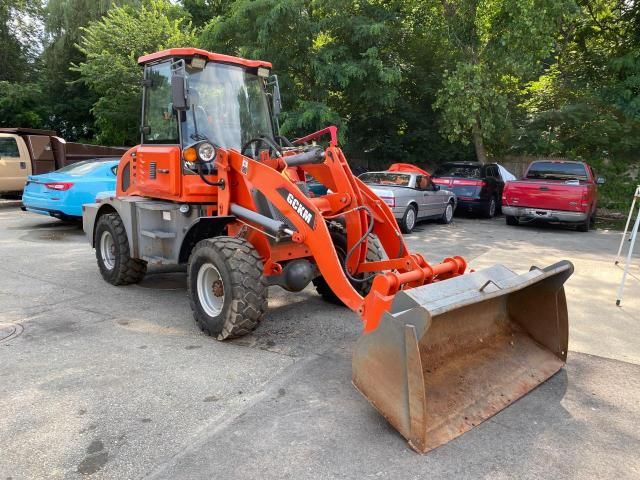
214	186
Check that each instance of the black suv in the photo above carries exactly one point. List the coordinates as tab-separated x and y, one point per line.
478	186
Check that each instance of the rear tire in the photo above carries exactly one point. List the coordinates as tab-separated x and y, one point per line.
227	288
490	210
113	254
511	220
447	215
408	222
374	253
584	226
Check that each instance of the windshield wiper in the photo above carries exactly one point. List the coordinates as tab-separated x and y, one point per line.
195	135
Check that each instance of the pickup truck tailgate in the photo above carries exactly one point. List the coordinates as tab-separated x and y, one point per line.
545	195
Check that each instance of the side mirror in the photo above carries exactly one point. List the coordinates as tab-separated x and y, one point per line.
179	92
601	180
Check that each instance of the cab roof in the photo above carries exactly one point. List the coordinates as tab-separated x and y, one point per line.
191	52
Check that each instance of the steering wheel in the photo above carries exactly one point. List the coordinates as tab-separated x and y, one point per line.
273	147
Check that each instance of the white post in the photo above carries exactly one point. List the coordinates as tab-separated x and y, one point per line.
634	234
626	227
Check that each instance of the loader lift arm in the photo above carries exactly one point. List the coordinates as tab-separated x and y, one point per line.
356	204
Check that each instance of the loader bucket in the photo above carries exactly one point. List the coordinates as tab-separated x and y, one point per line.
451	354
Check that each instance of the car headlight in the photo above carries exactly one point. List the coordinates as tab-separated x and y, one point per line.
206	152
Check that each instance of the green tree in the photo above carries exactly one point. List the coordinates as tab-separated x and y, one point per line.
21	105
496	46
20	38
112	46
202	11
336	60
587	104
69	100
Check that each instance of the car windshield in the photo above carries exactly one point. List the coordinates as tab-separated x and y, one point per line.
557	171
227	105
461	171
81	168
386	178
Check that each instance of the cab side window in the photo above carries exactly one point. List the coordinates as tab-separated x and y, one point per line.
9	147
160	122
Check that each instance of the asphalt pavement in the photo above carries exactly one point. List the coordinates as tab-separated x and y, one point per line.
117	382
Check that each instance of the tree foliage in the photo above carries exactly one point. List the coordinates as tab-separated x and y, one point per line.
336	59
21	105
111	48
18	37
422	81
498	45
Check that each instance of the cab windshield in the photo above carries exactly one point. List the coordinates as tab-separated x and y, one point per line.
227	105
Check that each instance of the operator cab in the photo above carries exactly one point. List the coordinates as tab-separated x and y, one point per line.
193	96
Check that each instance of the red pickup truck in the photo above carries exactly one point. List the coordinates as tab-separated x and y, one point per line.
553	191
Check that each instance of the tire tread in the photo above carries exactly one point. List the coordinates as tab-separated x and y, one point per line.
249	287
131	270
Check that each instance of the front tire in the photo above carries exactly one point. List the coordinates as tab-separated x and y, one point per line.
408	221
113	253
227	288
511	220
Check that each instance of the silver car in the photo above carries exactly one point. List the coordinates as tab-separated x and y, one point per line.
412	197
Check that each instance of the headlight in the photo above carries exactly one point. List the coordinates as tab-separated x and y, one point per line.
206	152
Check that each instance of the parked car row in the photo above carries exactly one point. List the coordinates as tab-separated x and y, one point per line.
553	191
556	191
413	194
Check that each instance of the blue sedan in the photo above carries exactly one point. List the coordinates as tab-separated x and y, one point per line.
62	193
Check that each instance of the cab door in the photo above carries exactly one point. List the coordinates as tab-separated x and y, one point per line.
15	164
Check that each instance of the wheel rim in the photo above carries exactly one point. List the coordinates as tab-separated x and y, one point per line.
448	213
108	250
492	208
411	219
210	289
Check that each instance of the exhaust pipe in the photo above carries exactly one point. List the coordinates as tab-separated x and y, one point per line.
451	354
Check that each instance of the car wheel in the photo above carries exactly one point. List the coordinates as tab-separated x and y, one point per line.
112	252
584	226
447	215
511	220
408	221
490	209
